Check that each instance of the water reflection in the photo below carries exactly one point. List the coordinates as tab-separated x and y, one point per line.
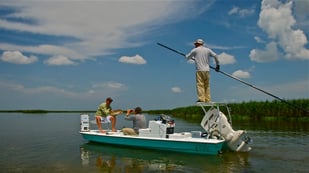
118	159
272	125
106	164
121	159
235	162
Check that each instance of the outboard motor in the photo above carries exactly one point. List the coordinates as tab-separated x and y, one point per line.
216	125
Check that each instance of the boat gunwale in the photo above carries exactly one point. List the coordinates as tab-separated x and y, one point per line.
187	139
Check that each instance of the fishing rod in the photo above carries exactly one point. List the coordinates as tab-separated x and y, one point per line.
246	83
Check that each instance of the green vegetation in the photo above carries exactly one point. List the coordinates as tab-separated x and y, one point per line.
190	113
274	109
248	110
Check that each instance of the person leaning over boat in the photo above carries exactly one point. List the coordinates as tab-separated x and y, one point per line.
200	55
104	114
139	121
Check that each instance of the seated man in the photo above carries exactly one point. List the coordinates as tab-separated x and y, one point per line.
139	121
106	114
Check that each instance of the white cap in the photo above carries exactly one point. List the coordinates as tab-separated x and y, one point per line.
199	41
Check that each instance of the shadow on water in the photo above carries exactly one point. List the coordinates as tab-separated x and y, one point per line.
116	159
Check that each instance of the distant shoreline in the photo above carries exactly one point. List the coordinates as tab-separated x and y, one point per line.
251	110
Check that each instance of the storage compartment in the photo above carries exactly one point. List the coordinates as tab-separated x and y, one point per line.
143	132
196	134
84	122
180	135
156	129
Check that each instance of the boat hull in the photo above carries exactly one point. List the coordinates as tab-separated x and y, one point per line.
187	145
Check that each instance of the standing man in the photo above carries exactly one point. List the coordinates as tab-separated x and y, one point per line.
139	121
201	56
105	114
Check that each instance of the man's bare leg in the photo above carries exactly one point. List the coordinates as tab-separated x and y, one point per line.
98	120
113	121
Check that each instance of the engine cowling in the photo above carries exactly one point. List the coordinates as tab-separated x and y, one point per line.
216	125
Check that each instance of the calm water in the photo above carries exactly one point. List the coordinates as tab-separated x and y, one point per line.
51	143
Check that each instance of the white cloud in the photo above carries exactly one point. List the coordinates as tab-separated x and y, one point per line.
225	58
44	49
108	88
50	97
109	84
258	39
277	20
4	85
176	90
137	59
241	74
234	10
17	57
91	28
223	47
60	93
270	54
241	12
59	60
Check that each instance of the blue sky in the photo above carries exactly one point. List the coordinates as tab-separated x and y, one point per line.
73	54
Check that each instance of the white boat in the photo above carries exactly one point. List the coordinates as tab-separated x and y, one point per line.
160	134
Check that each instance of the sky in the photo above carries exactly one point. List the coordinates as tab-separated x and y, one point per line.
72	54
